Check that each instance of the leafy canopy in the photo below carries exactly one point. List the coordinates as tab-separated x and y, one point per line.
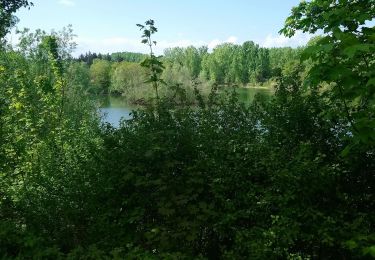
343	59
7	9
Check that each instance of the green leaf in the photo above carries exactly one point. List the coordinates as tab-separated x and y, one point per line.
369	251
352	50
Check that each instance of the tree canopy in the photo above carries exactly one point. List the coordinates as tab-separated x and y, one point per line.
7	10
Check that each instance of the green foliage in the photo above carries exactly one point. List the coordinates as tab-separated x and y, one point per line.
190	58
127	56
152	63
228	64
78	74
235	64
126	76
280	58
49	135
100	76
128	79
229	181
7	18
219	180
89	57
343	58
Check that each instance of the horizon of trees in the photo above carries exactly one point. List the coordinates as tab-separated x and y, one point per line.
89	57
227	64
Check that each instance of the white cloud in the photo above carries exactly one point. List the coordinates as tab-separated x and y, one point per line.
212	44
108	45
67	2
232	39
299	39
114	41
183	43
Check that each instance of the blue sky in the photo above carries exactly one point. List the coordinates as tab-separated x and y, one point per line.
109	26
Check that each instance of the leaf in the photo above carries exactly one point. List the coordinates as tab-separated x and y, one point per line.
352	50
309	52
346	151
369	251
351	244
370	82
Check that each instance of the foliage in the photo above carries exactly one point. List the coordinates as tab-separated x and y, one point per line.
228	64
126	76
100	76
7	18
152	63
89	57
78	75
343	58
280	58
49	136
225	180
190	58
219	180
127	56
237	64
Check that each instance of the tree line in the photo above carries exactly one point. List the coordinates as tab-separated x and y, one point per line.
227	64
89	57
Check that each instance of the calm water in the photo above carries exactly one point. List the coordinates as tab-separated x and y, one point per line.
247	95
113	108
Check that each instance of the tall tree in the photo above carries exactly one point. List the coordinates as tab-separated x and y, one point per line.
344	57
100	75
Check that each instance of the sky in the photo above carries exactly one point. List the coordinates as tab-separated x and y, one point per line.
110	26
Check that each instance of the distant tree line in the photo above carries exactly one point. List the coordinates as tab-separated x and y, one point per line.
227	64
89	57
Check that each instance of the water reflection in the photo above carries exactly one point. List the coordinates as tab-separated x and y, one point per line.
247	95
113	108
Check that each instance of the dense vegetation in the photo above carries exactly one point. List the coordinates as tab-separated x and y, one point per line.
290	177
89	57
227	65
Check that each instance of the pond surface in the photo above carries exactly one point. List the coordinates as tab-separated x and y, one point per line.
247	95
113	108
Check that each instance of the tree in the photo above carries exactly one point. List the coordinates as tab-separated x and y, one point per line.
280	57
193	61
217	64
78	75
127	56
190	57
126	77
262	65
344	58
7	9
152	63
100	75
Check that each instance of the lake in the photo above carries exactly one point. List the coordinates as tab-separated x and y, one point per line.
113	108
